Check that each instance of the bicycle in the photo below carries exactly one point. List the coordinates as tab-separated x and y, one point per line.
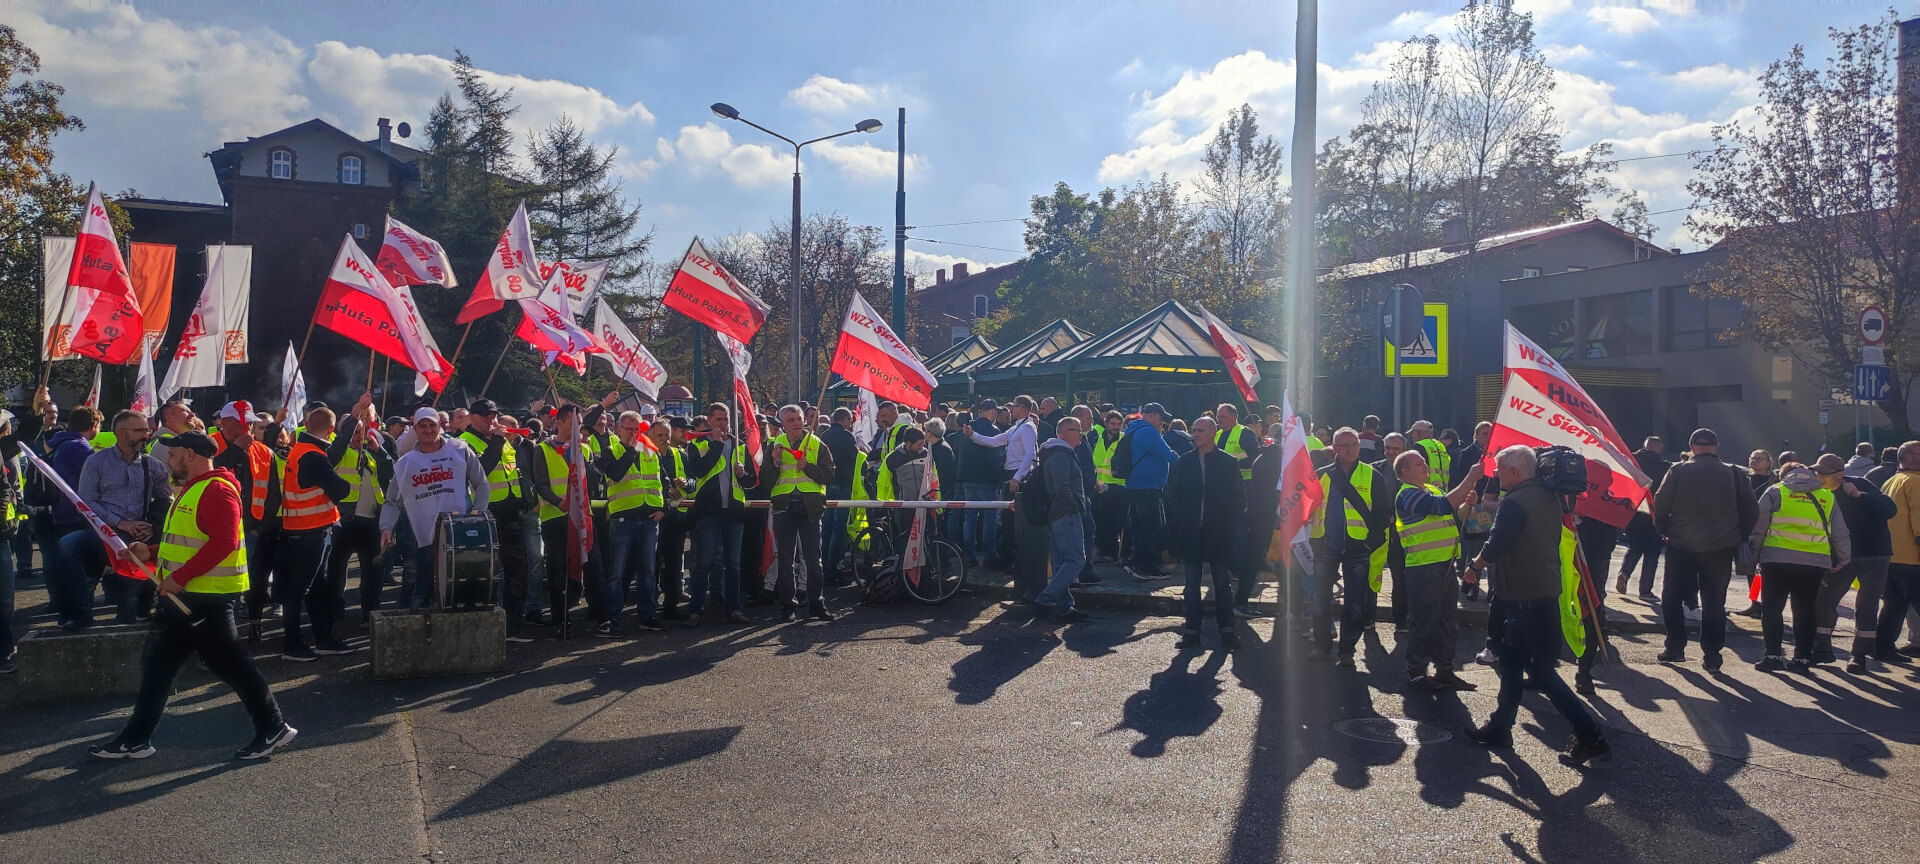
942	575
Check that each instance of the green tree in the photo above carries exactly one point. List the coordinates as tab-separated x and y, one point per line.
1812	202
1243	210
580	213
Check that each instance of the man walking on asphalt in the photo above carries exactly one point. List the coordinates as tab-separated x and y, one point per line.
1524	611
1067	505
1356	512
1704	508
1207	498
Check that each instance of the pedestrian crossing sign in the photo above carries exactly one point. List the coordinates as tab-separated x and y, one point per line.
1427	356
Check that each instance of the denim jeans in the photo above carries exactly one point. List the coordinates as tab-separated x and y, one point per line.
1528	647
794	532
1903	588
833	531
77	567
631	544
1069	548
1144	520
1705	573
716	550
978	528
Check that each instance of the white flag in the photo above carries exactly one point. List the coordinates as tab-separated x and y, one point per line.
736	352
145	399
236	293
408	257
866	419
293	383
93	393
631	360
513	273
582	281
56	302
200	358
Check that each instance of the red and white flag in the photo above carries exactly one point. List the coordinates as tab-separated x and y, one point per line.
117	553
200	358
547	326
871	357
1542	406
146	400
106	323
358	303
631	360
582	281
704	291
742	360
1234	354
408	257
866	420
579	525
513	272
1299	485
93	393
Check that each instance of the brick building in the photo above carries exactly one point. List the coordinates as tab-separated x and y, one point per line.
947	309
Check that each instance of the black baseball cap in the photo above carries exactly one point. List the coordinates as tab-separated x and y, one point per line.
678	422
1703	437
483	407
198	442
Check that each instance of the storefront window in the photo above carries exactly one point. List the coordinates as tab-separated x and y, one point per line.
1618	325
1696	322
1551	326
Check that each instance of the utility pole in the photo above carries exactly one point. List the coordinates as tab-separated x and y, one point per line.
1302	290
900	233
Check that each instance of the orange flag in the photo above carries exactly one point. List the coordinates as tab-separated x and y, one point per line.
152	270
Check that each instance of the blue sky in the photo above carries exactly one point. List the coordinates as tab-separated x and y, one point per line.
1003	98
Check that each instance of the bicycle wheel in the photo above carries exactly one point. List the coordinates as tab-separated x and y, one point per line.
942	576
871	549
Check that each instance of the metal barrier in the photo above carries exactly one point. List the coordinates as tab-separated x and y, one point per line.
889	505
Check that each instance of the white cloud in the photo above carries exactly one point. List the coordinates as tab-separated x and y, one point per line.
864	161
1559	54
1671	7
704	143
756	165
927	262
1542	10
238	82
1622	20
824	94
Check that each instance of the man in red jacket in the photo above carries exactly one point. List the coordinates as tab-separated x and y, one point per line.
203	570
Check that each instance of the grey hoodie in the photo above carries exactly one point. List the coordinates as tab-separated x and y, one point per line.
1060	470
1801	481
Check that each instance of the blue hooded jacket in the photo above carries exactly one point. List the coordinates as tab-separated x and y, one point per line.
1151	456
68	452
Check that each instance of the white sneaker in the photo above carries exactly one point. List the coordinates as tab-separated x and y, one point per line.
1486	657
1692	614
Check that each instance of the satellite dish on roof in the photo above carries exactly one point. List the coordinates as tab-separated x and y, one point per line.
404	130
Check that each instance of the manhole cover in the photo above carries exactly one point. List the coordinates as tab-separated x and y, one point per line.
1388	730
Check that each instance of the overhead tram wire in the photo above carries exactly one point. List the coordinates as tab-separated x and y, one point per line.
969	245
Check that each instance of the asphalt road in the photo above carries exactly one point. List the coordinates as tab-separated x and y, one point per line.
971	733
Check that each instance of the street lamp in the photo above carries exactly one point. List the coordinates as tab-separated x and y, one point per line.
728	112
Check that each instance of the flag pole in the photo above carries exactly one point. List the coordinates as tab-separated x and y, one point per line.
496	361
453	366
386	388
369	371
299	360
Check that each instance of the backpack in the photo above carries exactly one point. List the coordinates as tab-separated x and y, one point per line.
1562	471
1035	501
1123	457
884	587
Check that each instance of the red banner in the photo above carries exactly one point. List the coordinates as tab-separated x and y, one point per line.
704	291
1542	405
363	318
96	259
871	357
749	421
1234	354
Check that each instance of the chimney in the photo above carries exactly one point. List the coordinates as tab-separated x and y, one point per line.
386	135
960	270
1453	231
940	276
910	287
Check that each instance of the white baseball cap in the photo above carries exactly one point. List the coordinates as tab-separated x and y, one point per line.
426	414
240	411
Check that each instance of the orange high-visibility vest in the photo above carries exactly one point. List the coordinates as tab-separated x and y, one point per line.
261	461
304	508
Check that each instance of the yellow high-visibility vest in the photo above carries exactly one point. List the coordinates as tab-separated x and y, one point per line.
182	538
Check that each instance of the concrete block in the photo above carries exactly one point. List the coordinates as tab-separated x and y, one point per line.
99	663
423	643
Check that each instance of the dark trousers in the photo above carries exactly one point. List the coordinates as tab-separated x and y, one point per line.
833	529
1144	518
1109	514
563	592
1352	568
300	563
1781	584
1643	547
753	553
22	543
1252	552
1703	573
1222	604
1397	562
7	576
1528	647
509	523
208	629
670	567
356	536
1433	615
261	582
1597	540
1903	588
797	536
716	563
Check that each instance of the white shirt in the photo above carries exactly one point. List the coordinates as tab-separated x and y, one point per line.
1020	441
448	480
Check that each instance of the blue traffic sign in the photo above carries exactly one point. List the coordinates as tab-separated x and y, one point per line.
1872	383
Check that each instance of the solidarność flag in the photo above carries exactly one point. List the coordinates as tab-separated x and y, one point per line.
359	304
704	291
408	257
582	281
117	553
871	357
200	358
1543	406
1299	487
631	360
1234	354
106	324
513	273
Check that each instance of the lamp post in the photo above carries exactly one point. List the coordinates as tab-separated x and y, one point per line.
727	112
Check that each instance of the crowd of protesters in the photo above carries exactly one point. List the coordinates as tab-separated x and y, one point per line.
1127	492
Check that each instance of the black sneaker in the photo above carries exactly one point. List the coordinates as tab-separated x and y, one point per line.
738	617
1345	661
1857	666
7	667
1770	664
117	749
693	619
264	744
1087	579
651	622
1711	662
1672	657
1581	751
818	612
1190	641
786	615
537	618
1583	684
1800	666
673	613
1245	611
1895	657
1487	736
606	630
333	648
1070	616
301	654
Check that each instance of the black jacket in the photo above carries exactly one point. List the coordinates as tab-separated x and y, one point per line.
1205	512
1867	518
845	451
983	465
